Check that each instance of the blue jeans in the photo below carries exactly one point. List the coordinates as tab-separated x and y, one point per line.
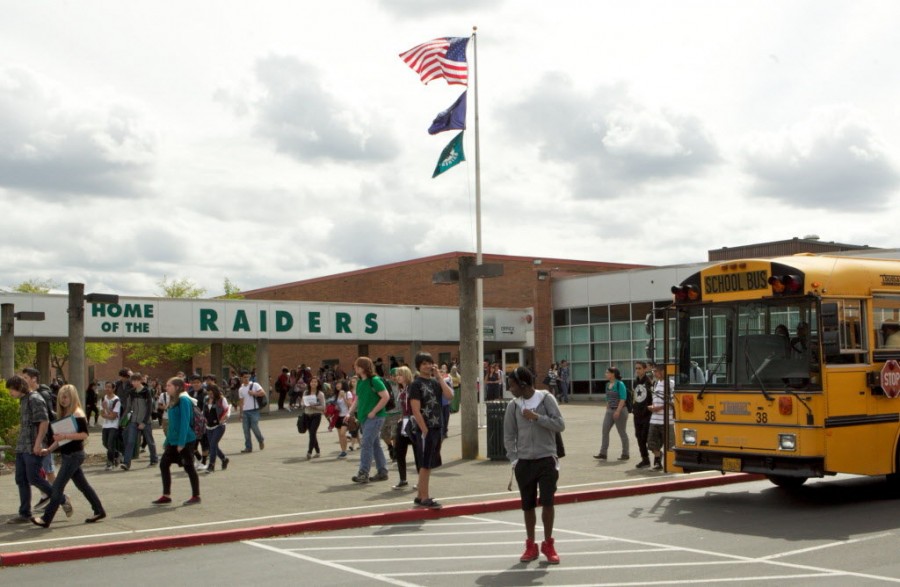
131	435
563	390
214	436
371	444
250	421
71	470
28	473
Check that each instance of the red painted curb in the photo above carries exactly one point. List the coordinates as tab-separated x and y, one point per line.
397	517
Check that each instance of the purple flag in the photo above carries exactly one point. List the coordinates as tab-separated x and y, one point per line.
452	118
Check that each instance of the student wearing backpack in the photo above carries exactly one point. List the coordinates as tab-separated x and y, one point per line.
180	442
216	412
110	410
616	414
313	408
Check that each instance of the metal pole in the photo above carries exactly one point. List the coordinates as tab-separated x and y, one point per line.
479	284
7	340
76	339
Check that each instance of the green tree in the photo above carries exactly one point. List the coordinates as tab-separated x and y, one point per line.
236	356
26	352
151	355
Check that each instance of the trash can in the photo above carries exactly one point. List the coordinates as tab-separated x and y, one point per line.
454	403
496	410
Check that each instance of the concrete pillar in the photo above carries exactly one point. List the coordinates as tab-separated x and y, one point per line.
7	340
415	347
262	367
76	338
470	363
42	359
216	359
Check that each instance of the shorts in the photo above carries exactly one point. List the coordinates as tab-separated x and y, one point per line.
428	449
655	436
537	477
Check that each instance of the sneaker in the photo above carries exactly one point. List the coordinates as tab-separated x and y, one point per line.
200	466
360	478
316	455
549	551
67	507
125	466
39	522
262	444
225	463
657	464
42	504
430	504
343	455
152	464
531	552
401	484
623	458
600	457
645	462
308	456
210	470
245	450
192	501
95	518
162	500
18	520
382	476
417	501
109	467
351	448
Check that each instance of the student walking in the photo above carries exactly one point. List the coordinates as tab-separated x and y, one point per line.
425	395
180	442
313	407
530	425
368	405
216	412
616	414
402	439
71	449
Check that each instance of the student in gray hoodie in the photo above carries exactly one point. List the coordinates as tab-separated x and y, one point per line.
530	425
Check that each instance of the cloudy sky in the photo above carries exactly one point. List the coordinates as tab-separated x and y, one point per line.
276	141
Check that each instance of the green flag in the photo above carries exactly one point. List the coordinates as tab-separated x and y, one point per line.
451	155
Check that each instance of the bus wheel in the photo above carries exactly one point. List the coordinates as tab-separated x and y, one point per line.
787	482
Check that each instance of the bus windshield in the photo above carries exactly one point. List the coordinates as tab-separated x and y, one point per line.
761	344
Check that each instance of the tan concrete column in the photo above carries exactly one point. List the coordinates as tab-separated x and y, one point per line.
42	357
216	359
262	368
7	341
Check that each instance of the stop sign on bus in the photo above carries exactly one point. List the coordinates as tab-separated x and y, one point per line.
890	378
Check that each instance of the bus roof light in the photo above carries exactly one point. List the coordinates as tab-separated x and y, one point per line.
686	293
786	284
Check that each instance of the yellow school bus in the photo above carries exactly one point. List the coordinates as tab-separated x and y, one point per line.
788	367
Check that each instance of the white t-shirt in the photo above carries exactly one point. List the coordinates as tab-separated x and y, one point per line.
659	392
249	402
162	403
111	405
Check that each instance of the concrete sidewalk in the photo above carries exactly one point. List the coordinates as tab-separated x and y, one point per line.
277	490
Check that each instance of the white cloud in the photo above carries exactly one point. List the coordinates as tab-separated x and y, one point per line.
53	148
833	157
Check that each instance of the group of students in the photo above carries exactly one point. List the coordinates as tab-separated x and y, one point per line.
47	429
648	408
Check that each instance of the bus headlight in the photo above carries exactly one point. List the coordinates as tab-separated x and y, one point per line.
689	436
787	442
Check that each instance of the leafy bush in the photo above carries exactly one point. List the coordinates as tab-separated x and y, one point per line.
9	417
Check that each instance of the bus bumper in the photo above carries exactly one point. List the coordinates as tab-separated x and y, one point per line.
699	460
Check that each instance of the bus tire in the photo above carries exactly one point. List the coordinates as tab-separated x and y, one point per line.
787	482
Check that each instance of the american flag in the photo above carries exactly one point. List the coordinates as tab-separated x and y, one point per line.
440	58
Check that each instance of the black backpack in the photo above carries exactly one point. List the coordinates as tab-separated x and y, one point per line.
391	404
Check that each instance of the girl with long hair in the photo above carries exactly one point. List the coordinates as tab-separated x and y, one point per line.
616	414
180	442
343	408
71	449
402	441
216	411
371	397
313	408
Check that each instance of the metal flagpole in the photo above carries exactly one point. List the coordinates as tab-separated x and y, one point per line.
479	284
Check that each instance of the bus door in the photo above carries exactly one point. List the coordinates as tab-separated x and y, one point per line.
851	422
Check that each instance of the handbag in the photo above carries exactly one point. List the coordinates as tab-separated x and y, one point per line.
302	424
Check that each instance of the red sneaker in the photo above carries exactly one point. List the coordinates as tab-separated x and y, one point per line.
549	551
531	552
162	500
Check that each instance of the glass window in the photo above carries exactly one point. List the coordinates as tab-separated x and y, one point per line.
560	317
600	352
600	332
619	313
621	331
580	371
886	321
581	334
599	314
639	331
847	343
639	349
640	310
600	371
562	335
621	352
561	352
578	316
581	352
